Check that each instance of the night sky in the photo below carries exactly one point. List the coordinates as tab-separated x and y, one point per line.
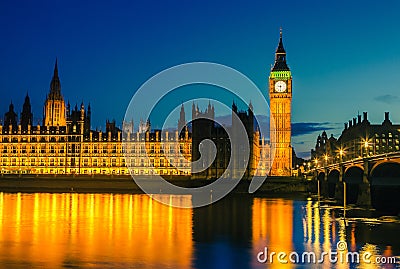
344	55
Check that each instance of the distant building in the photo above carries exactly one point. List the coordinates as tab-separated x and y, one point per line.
359	138
65	143
204	127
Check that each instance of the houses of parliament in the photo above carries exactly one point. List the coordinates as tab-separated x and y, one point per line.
65	144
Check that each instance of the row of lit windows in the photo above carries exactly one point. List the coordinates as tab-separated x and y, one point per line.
33	139
117	171
390	135
16	138
103	162
75	148
389	141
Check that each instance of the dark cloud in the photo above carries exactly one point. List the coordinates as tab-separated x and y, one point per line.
302	128
387	99
298	128
304	154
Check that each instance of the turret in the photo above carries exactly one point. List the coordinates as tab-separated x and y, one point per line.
54	108
10	118
182	120
26	115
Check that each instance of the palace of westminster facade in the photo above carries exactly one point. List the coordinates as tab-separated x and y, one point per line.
65	144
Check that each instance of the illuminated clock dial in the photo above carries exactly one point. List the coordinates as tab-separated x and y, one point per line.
280	86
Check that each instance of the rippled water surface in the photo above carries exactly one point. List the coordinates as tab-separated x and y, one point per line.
134	231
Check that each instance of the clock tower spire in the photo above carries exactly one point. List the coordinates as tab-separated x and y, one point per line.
280	97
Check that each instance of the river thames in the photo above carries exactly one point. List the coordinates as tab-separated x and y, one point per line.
70	230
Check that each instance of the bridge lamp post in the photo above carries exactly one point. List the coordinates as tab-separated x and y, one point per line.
316	163
325	181
326	159
340	188
341	153
326	166
364	197
366	146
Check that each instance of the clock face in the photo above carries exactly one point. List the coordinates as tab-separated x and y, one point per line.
280	86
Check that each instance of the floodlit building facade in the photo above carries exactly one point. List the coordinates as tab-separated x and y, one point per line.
64	143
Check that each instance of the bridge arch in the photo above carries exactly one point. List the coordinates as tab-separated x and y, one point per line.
385	187
353	176
352	166
333	179
386	168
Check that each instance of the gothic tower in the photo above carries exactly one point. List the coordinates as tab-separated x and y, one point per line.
182	120
280	96
26	115
10	118
54	108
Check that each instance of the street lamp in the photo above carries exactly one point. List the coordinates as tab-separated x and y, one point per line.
341	153
366	146
326	159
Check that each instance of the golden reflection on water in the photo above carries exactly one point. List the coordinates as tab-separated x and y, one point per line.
273	222
94	230
272	227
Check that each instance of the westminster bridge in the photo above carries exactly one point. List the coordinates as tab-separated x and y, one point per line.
368	180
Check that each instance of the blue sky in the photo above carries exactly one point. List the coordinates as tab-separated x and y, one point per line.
343	54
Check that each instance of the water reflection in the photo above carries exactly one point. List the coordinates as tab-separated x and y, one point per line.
320	231
93	230
272	227
125	231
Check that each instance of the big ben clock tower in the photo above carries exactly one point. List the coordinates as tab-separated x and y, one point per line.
280	97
